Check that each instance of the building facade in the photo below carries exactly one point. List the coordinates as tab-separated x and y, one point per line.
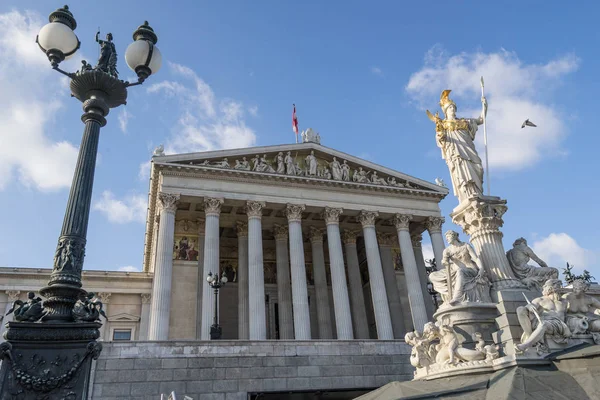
302	232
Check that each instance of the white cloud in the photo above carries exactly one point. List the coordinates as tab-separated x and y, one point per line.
124	117
427	251
204	123
129	268
559	248
253	110
377	71
144	173
28	104
515	91
132	208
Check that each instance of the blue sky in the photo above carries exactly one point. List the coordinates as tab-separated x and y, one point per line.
360	73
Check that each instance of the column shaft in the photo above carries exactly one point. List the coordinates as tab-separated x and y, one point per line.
298	273
421	268
341	302
201	278
163	270
413	284
284	294
391	286
357	298
212	210
242	281
145	316
381	309
321	289
256	274
434	227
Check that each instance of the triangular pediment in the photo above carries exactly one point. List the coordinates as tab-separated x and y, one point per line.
123	317
328	164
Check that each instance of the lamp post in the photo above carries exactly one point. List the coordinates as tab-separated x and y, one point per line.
70	316
216	284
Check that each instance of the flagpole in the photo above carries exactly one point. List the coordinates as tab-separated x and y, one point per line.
487	166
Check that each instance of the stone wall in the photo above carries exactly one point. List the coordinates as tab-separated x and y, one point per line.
231	369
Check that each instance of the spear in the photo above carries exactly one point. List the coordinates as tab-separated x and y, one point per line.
487	167
534	309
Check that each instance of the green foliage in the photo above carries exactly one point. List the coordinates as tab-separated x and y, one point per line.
570	277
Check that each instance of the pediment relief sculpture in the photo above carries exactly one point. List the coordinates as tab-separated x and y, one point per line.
309	165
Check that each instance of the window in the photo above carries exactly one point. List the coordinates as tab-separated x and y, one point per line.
122	334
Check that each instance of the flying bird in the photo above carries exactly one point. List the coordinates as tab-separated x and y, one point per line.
528	123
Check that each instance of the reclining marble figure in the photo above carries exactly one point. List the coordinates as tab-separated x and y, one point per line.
583	311
531	276
544	318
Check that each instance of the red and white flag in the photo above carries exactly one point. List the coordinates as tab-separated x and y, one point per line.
294	121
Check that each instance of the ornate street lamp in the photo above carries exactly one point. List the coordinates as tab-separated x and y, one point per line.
216	284
70	315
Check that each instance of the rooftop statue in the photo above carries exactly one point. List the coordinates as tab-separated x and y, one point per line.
455	136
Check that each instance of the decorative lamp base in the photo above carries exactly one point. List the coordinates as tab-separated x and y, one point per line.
215	332
50	361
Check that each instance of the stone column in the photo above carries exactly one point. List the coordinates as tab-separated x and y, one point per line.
13	295
145	316
256	272
298	272
212	211
201	278
284	294
381	309
104	297
341	302
413	284
357	298
321	289
482	220
391	285
434	227
421	268
163	269
242	280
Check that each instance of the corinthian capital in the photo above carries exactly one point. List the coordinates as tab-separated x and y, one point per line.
332	215
316	234
168	202
254	208
386	239
402	221
294	212
242	229
416	240
280	232
434	224
146	298
13	295
349	237
367	218
212	206
104	297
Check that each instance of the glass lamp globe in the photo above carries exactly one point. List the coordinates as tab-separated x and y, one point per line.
210	278
224	279
142	56
57	38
